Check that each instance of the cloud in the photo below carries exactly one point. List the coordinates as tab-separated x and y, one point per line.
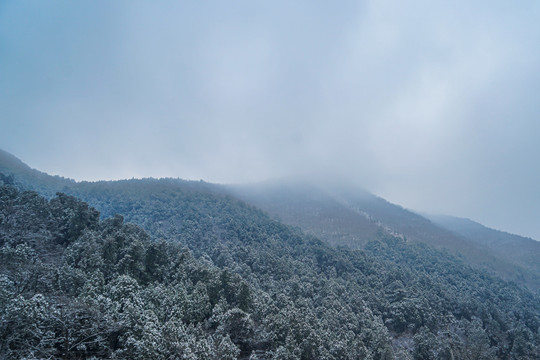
430	104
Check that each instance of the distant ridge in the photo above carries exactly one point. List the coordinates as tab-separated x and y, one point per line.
522	250
350	216
28	178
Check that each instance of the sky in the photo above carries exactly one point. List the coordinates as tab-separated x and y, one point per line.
433	105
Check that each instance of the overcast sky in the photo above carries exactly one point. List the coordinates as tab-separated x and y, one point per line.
434	106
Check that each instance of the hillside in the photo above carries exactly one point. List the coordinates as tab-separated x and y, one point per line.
522	250
13	170
314	211
206	272
340	215
350	216
300	299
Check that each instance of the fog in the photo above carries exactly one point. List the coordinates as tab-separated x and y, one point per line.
431	105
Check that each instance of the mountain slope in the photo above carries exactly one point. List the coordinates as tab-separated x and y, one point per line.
394	299
522	250
14	171
301	298
316	212
341	215
350	216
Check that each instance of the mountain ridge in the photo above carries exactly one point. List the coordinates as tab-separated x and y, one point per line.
520	248
340	215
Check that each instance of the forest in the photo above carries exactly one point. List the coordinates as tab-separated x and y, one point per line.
269	180
171	269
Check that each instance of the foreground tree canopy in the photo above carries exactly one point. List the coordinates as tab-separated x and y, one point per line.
205	276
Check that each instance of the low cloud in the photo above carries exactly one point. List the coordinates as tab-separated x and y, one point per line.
431	105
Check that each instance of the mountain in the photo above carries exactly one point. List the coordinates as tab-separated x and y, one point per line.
522	250
14	171
342	215
189	270
346	215
315	211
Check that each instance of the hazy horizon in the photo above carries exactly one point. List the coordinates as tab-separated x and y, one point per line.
430	105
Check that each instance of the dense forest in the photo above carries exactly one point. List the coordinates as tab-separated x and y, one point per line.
188	272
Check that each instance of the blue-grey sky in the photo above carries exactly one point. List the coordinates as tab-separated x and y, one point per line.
432	105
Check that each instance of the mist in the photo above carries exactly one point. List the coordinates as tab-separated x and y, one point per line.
431	105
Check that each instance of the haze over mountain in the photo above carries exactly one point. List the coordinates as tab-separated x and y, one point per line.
432	105
346	215
336	212
325	116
